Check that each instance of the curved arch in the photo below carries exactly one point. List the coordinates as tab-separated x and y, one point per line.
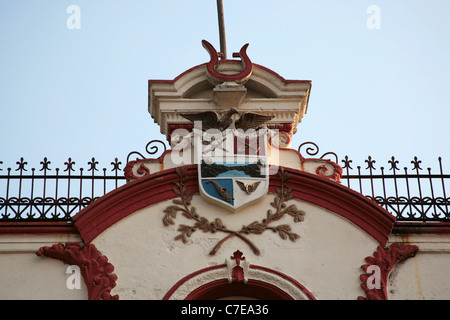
254	289
258	80
263	283
157	187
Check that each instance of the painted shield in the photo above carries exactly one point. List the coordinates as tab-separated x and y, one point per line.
236	180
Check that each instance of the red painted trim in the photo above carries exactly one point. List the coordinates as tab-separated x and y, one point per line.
280	77
247	65
154	188
421	228
221	288
232	61
335	197
177	77
285	277
253	288
385	259
127	199
322	170
37	228
190	276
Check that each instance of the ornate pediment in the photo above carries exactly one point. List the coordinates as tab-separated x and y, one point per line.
219	85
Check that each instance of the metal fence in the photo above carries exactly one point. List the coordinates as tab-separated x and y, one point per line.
410	193
53	194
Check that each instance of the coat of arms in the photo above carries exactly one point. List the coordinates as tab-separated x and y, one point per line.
232	160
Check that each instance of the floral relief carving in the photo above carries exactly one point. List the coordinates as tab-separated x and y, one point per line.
94	267
384	259
279	210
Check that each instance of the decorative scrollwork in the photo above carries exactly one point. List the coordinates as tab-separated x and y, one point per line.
416	164
393	163
93	165
416	208
116	165
42	209
370	163
22	165
347	163
45	164
151	148
313	150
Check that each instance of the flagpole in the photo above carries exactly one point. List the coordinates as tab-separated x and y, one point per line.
223	46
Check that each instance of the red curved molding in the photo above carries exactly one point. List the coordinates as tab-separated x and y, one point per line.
385	259
154	188
222	285
127	199
232	61
190	276
285	277
365	213
94	267
254	288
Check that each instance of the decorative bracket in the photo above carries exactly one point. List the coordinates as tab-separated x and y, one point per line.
384	259
237	268
94	267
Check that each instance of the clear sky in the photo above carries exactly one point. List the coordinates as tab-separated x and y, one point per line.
82	93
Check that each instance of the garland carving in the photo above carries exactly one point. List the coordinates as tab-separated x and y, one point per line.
183	205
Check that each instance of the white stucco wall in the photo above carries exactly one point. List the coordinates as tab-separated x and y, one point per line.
24	275
148	261
426	276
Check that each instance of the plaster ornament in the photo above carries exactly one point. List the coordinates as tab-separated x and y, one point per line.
94	267
237	268
216	77
384	259
250	120
211	120
248	188
223	193
183	205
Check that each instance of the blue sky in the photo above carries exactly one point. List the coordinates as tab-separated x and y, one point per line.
82	93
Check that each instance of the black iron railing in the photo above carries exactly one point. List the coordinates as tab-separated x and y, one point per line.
51	194
410	193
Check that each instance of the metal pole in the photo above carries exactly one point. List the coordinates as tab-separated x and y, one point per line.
223	46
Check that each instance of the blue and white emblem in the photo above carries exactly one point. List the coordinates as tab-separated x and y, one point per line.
234	173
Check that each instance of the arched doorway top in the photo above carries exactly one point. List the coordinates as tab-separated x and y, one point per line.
214	283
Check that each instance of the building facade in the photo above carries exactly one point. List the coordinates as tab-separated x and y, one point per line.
231	210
